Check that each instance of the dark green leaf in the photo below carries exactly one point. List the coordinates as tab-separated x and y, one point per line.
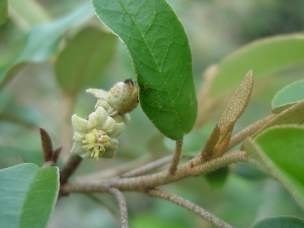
43	40
280	222
289	95
161	54
27	195
84	59
263	57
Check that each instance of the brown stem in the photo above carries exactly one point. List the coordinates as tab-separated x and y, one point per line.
122	204
69	168
176	157
190	206
250	130
154	180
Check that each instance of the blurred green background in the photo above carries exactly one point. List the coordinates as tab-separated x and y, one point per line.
215	28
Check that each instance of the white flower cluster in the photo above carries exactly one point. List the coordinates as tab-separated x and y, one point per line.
96	136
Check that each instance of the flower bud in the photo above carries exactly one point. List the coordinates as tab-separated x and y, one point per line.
123	96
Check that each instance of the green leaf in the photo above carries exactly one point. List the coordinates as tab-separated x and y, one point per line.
27	195
85	57
280	222
162	58
43	40
3	11
281	150
291	94
263	57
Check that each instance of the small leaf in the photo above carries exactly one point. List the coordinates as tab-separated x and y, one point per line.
264	57
280	149
43	40
27	195
47	145
291	94
3	11
234	109
84	59
280	222
237	103
159	47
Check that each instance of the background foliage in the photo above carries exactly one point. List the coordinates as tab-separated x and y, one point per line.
33	45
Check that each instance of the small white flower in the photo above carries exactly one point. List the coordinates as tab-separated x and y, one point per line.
96	136
79	124
97	118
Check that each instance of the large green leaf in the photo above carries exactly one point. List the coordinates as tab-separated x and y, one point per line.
3	11
161	54
281	151
27	195
43	40
280	222
263	57
84	59
292	93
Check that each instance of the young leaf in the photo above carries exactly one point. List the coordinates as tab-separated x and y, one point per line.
81	63
234	109
237	103
43	40
280	222
3	11
291	94
161	54
263	57
27	195
281	151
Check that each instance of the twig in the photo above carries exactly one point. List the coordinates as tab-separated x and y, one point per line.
250	130
46	145
176	157
148	167
69	168
190	206
154	180
122	204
